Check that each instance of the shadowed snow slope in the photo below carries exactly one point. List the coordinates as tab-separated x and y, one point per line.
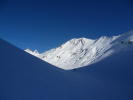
80	52
25	77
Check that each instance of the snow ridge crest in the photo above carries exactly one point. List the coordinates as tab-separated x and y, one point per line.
79	52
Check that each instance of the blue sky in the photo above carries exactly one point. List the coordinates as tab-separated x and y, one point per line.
45	24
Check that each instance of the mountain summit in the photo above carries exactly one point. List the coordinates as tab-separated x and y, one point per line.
25	77
79	52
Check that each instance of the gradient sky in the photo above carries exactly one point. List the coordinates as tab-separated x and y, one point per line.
45	24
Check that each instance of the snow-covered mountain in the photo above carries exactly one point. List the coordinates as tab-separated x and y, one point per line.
25	77
35	52
79	52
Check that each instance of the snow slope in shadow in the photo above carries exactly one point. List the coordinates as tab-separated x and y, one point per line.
25	77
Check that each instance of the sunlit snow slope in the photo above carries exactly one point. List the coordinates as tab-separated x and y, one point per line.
25	77
34	53
81	52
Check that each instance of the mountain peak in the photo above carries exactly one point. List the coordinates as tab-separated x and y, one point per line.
35	52
79	52
83	40
80	39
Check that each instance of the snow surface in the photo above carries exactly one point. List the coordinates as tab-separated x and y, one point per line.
25	77
34	53
80	52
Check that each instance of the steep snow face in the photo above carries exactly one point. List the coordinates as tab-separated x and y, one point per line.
25	77
80	52
35	52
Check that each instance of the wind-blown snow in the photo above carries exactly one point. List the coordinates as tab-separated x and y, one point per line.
79	52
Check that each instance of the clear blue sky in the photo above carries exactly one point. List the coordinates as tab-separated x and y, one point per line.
45	24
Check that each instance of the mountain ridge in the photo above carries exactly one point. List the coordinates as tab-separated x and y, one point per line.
80	52
25	77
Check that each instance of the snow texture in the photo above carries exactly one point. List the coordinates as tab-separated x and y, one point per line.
34	53
25	77
80	52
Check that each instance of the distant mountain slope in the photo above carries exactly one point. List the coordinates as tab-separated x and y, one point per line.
35	52
25	77
81	52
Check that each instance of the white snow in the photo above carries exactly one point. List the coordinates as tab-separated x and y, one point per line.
79	52
35	52
25	77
